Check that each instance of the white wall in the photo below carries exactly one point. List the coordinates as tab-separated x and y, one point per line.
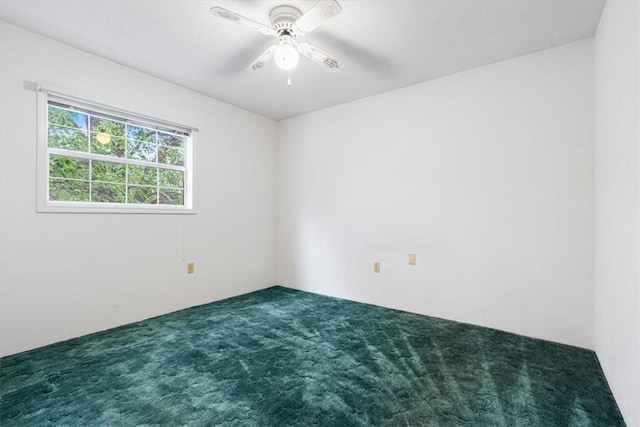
487	175
65	275
617	201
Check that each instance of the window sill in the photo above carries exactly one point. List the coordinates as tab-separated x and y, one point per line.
84	209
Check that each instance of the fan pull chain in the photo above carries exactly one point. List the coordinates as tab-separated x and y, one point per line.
289	80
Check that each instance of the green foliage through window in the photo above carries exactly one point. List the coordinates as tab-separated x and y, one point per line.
99	159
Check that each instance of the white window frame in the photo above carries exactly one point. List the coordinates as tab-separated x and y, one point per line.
43	152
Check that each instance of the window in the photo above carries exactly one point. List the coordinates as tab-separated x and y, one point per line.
99	159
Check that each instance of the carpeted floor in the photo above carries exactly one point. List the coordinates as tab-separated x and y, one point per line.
280	357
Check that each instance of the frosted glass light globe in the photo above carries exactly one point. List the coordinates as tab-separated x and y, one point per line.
286	56
103	138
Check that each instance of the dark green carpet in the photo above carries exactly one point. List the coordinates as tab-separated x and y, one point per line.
281	357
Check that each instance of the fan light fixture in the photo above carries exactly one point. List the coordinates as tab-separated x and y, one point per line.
286	56
287	24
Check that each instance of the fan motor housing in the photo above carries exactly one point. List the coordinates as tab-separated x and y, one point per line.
282	19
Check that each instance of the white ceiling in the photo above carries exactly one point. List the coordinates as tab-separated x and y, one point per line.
385	44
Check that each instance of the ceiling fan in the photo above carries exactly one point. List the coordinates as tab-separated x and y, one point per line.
287	23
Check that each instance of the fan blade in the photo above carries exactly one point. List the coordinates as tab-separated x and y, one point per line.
321	57
263	59
239	19
320	12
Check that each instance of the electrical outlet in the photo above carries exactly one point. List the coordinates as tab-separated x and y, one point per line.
191	267
412	259
376	267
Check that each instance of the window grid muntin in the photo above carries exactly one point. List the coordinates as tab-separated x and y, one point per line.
91	156
139	123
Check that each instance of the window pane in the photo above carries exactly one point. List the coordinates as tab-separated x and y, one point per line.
74	119
142	195
110	127
67	167
171	140
111	146
67	138
141	134
140	150
143	175
108	193
172	179
171	196
125	157
109	172
68	191
171	156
